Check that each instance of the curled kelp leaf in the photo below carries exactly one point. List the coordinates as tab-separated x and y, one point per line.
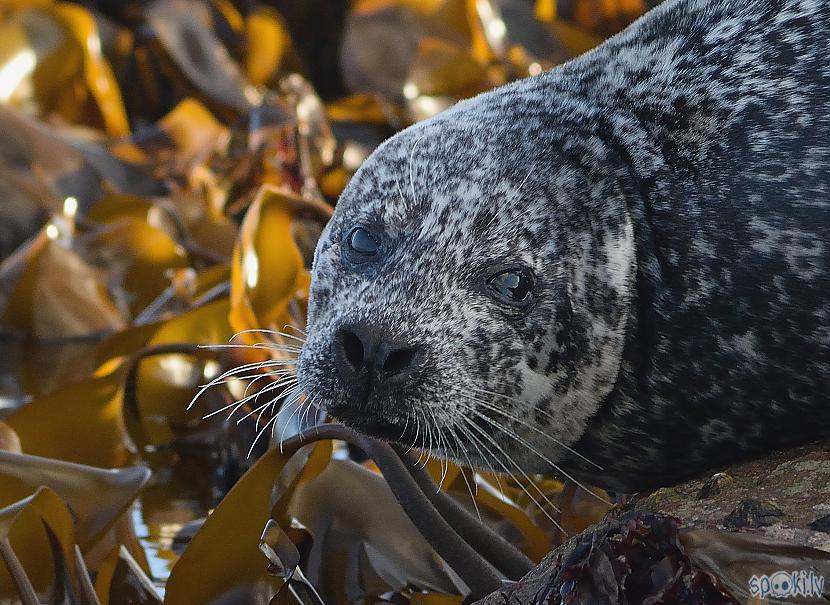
52	292
113	490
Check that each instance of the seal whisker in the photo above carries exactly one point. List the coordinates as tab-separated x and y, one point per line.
456	449
309	405
271	421
442	447
417	431
297	407
287	388
411	179
278	347
257	347
532	449
261	376
292	395
251	377
315	405
431	436
266	331
519	483
512	197
261	413
270	344
259	409
270	402
459	451
423	452
405	425
236	405
296	329
509	416
519	468
445	465
400	192
485	459
428	426
227	374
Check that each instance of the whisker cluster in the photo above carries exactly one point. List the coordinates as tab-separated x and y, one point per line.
283	391
294	403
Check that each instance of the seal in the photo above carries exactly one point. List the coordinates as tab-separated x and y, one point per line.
616	270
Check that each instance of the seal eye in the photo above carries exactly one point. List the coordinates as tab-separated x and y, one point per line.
512	285
362	243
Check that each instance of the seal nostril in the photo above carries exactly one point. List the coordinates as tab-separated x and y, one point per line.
353	347
398	360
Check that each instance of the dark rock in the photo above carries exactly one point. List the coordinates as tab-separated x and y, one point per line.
821	524
751	514
632	555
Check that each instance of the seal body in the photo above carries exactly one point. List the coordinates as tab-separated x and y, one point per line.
662	203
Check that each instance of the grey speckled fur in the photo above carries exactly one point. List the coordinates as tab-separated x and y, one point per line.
670	190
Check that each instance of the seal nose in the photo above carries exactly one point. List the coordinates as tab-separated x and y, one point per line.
365	355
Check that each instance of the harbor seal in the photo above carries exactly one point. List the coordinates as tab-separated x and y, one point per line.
616	270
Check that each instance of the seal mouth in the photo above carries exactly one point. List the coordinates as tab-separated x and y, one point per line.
408	433
369	424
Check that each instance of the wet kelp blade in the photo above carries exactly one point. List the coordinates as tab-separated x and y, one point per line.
364	511
238	569
735	558
120	579
267	270
38	539
90	411
52	292
97	496
51	58
180	26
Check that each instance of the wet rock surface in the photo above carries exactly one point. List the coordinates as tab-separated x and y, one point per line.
700	542
782	497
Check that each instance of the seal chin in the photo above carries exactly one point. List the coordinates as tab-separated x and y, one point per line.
370	422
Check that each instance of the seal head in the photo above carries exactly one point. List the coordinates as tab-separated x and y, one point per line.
472	291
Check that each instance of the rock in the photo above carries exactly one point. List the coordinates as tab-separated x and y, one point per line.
751	514
792	488
711	540
714	484
821	524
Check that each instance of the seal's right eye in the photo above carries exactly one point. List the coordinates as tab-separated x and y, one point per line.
512	286
361	243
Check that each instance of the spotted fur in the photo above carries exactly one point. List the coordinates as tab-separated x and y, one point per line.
670	191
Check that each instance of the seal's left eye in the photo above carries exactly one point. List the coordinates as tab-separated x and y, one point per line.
512	285
362	242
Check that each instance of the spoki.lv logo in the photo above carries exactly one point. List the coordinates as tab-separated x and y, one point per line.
783	584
